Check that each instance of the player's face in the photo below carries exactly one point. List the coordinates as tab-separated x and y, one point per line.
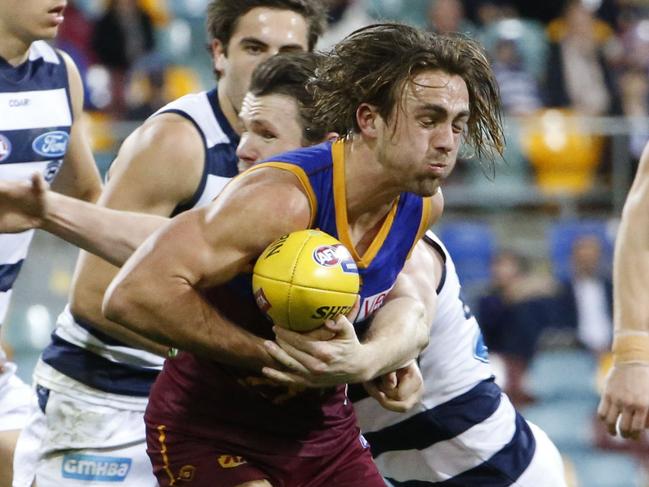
30	20
419	143
270	126
259	34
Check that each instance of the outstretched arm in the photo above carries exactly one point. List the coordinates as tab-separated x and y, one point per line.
158	293
625	398
110	234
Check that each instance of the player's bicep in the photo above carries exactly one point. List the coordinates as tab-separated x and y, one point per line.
253	211
158	167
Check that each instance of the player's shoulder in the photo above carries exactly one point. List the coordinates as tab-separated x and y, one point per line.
168	133
318	154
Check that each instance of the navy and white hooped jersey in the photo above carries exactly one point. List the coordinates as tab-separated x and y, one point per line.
464	431
35	121
78	350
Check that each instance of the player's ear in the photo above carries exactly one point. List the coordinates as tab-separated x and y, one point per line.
366	118
219	55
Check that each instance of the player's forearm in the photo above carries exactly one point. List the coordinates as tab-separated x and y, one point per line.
631	273
110	234
85	304
397	335
631	269
170	311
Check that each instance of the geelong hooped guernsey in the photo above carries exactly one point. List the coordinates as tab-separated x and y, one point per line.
78	350
35	121
201	397
464	431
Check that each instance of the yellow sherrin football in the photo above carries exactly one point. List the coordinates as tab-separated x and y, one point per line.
304	278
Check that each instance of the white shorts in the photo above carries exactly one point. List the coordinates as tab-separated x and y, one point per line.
15	398
80	443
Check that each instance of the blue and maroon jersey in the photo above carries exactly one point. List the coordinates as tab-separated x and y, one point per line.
210	400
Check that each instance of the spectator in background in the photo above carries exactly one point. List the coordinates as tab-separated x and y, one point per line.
447	16
576	60
343	18
146	93
519	89
122	36
512	315
585	301
634	86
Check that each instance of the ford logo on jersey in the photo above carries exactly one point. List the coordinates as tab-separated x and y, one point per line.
51	144
95	468
5	147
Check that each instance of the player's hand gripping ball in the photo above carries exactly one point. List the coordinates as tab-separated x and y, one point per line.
305	278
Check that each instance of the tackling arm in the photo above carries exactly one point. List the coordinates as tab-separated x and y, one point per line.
401	328
110	234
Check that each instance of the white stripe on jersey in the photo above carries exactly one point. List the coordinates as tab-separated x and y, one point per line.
21	171
446	459
4	305
213	187
449	360
71	332
198	107
15	246
37	109
41	49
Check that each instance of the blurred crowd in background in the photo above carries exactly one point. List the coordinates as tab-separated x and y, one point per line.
533	240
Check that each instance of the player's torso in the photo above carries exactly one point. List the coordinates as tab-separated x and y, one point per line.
383	255
313	417
35	121
130	372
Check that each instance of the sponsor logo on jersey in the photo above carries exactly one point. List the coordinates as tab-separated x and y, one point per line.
371	303
96	468
230	461
5	147
480	350
51	144
18	102
52	170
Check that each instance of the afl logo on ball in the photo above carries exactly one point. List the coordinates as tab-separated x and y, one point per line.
5	147
329	255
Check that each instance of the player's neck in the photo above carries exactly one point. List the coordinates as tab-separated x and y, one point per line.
12	49
367	189
229	110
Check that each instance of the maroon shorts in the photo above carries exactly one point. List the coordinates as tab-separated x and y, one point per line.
180	460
